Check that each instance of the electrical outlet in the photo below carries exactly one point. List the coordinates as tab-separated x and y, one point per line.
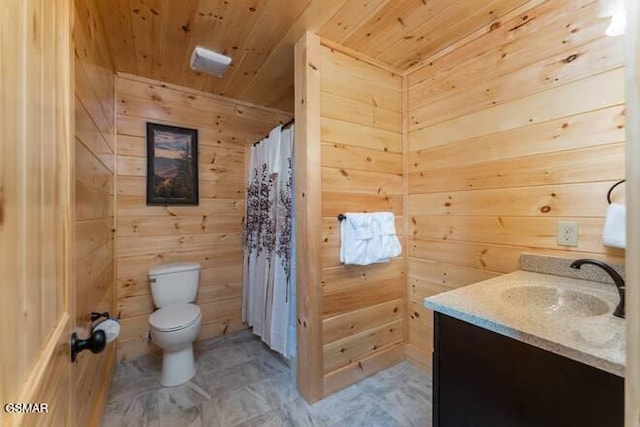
567	233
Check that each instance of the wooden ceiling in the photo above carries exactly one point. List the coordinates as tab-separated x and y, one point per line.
155	38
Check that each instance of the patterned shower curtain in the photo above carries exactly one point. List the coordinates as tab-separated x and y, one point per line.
269	257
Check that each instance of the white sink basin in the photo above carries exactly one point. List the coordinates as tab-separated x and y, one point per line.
555	300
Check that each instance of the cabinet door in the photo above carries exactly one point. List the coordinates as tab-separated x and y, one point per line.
485	379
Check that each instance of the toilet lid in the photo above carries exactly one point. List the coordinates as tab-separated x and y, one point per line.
173	317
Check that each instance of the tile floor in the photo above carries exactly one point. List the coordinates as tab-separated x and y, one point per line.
241	383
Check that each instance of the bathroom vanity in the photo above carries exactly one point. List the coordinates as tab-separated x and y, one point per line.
528	349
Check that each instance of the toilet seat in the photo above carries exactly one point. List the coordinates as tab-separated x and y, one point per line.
175	317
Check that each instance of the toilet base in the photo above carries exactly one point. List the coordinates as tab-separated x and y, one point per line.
178	366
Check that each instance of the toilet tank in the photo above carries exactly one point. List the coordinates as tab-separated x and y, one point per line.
174	283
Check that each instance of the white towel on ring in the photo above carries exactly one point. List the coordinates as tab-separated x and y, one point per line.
368	238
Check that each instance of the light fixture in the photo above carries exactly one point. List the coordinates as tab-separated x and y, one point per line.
615	10
209	62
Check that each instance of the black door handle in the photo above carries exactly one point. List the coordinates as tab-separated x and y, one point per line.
96	343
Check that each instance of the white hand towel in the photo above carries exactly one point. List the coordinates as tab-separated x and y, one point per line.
362	225
368	238
385	243
355	234
614	232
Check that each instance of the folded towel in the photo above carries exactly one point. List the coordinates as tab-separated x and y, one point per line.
368	238
384	223
362	225
355	232
614	232
385	243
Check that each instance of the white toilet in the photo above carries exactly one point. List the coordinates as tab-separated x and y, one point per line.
175	325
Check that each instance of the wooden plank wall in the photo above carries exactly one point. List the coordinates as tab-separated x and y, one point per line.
509	133
210	233
361	171
94	205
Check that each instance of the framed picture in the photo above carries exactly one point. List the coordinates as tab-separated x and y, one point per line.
172	165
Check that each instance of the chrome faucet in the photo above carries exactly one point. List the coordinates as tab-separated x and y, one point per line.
617	280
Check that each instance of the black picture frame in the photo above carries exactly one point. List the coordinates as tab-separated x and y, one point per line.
172	165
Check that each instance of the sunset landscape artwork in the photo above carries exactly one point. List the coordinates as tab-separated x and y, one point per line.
172	165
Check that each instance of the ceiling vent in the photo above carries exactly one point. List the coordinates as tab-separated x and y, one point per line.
209	62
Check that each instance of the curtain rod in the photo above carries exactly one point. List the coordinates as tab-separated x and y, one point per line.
284	126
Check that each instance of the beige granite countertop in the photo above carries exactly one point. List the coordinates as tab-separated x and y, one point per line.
597	340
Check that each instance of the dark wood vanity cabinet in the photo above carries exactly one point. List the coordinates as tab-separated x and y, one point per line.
481	378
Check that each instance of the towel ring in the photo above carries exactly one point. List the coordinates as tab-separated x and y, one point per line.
611	189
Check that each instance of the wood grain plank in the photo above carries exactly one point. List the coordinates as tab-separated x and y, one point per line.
515	231
137	205
346	276
335	203
88	133
564	167
131	246
92	203
349	18
91	172
593	128
345	132
346	76
341	180
341	108
382	359
533	109
574	200
353	348
358	297
392	22
490	257
448	275
213	185
601	55
92	234
513	35
169	225
420	326
348	157
454	22
345	325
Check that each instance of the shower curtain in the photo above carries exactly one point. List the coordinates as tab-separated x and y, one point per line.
269	250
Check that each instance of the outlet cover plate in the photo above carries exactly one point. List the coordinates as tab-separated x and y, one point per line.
567	233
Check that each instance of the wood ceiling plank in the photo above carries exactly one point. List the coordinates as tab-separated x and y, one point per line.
393	22
274	23
178	21
117	20
509	37
349	18
449	26
277	70
523	13
159	43
146	27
